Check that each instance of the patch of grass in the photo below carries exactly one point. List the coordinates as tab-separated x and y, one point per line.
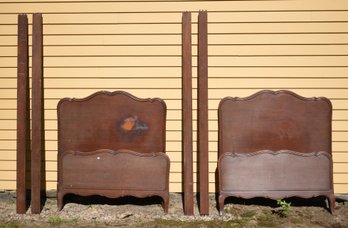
268	220
12	224
237	223
55	220
248	214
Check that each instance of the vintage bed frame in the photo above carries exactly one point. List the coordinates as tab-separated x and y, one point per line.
112	144
275	144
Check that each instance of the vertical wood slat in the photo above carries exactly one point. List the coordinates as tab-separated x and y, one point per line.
37	105
187	113
23	116
203	113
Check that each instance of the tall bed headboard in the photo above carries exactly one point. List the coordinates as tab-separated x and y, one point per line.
275	120
111	120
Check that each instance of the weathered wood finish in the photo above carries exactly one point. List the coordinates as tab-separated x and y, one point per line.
187	113
278	122
23	116
203	177
112	144
37	114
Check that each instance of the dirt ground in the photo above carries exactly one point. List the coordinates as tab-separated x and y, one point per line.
133	212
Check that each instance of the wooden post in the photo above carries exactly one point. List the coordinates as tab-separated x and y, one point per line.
203	113
23	116
37	117
187	113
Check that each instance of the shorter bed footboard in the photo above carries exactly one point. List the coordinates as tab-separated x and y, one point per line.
114	174
275	175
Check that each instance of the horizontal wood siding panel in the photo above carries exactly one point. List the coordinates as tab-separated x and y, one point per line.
136	46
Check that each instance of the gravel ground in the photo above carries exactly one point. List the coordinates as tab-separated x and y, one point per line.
133	212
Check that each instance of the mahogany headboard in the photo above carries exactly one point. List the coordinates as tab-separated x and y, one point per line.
111	120
274	120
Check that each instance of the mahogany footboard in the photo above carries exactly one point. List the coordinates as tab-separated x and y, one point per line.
114	174
275	175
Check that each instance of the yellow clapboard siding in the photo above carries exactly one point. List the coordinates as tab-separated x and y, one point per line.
11	166
340	178
277	83
231	50
177	177
122	83
8	113
278	61
340	115
172	17
224	50
275	72
277	28
275	16
278	50
329	93
11	175
214	39
340	167
170	28
46	7
341	188
61	93
113	50
214	72
340	136
67	29
150	83
176	61
340	157
340	125
340	146
8	165
8	135
81	72
177	167
334	93
7	185
8	103
177	187
8	155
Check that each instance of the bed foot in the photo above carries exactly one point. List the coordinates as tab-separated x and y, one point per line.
332	200
221	204
165	203
60	198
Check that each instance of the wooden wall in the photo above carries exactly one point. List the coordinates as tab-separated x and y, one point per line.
300	45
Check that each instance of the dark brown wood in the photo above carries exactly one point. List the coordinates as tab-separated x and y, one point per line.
112	144
278	122
187	113
203	113
37	114
23	116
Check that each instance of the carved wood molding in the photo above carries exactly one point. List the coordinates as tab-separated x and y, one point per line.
276	153
277	93
113	93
